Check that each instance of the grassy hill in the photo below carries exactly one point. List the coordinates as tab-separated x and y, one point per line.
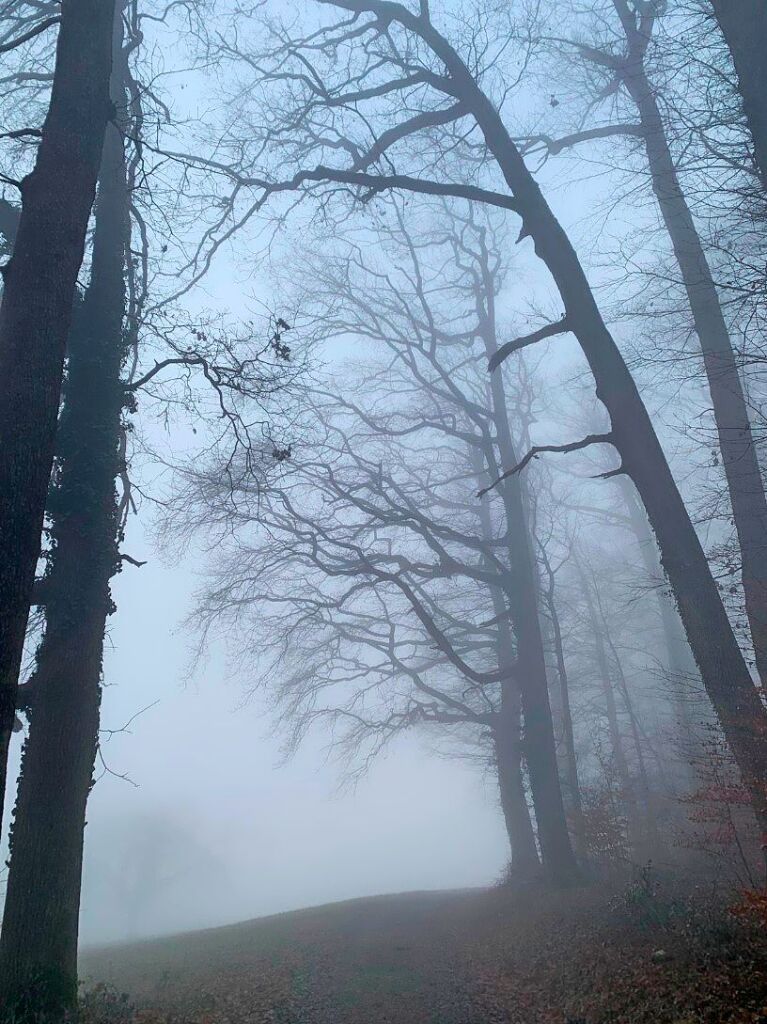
468	957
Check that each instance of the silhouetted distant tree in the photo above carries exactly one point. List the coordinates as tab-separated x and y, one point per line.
391	100
433	313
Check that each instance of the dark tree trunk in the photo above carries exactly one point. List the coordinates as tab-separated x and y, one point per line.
736	441
744	27
568	733
38	946
525	865
507	730
523	593
723	668
35	315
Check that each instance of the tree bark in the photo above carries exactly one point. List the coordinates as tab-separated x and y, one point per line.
38	945
36	311
743	24
736	441
525	864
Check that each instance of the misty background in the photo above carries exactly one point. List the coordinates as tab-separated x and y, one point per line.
196	818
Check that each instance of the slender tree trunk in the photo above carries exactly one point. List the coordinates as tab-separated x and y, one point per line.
35	315
568	733
736	442
522	589
507	739
627	794
650	839
679	659
38	946
744	26
555	692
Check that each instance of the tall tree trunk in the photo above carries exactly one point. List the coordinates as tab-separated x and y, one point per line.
568	733
525	865
38	945
507	730
723	668
35	315
523	592
736	441
744	26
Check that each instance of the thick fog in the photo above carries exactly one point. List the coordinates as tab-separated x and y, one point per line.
197	817
213	828
432	543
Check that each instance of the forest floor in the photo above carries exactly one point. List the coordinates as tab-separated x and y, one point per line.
625	954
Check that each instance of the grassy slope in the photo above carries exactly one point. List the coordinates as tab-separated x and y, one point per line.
447	958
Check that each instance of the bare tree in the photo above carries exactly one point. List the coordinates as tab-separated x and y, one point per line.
39	288
89	499
622	67
433	308
375	613
340	89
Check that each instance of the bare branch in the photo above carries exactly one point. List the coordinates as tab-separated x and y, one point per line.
132	561
36	31
537	450
549	331
555	146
